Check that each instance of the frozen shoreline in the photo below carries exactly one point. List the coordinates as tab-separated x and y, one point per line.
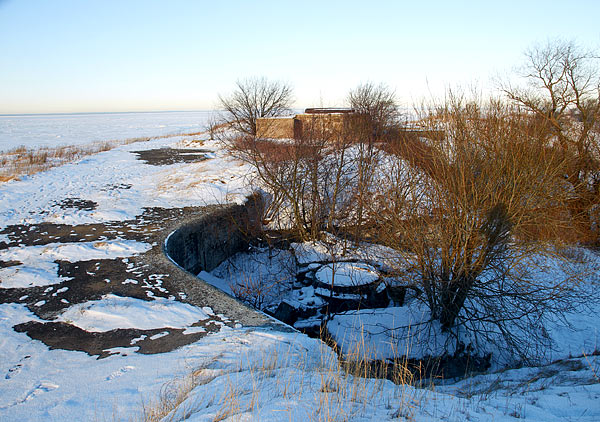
52	130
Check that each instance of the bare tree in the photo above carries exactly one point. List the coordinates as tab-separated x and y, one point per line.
254	98
375	119
464	223
306	178
317	182
563	92
376	107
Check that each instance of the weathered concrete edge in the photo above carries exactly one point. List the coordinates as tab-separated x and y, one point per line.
199	293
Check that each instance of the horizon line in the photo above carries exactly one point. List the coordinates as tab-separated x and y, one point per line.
62	113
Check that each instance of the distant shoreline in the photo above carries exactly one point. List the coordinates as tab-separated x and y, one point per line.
87	113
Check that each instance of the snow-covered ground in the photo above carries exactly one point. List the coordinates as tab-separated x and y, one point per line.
236	373
38	383
121	185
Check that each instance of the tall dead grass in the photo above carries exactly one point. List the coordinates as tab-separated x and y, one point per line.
23	161
280	382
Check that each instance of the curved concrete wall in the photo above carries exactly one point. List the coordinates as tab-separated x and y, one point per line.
204	243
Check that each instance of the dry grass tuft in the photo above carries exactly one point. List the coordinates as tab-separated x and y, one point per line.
171	396
22	161
279	380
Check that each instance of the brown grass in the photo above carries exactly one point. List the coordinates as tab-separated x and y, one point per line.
23	161
273	151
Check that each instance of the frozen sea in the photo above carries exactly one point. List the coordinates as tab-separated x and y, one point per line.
35	130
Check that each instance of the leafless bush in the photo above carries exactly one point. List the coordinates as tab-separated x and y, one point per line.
322	179
563	92
319	181
260	277
376	111
467	222
471	205
253	291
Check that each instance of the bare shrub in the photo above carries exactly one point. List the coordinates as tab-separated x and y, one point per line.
321	179
467	222
251	291
317	182
260	277
470	206
376	110
562	91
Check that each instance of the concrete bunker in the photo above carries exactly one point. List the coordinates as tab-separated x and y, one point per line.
313	122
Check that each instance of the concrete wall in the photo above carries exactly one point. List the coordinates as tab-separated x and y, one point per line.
309	125
326	125
204	243
276	127
201	243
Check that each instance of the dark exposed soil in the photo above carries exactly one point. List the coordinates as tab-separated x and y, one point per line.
143	228
76	203
88	280
6	264
60	335
167	156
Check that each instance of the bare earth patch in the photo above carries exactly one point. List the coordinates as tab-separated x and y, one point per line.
168	156
92	279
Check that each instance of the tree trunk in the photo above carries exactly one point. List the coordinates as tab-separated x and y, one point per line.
453	299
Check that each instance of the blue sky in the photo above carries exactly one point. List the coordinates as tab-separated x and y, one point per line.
129	55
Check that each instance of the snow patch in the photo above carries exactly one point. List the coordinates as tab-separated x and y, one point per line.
112	312
38	266
347	274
